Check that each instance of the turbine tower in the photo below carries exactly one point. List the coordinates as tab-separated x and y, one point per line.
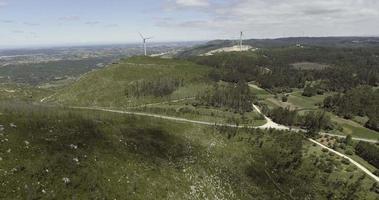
241	37
144	40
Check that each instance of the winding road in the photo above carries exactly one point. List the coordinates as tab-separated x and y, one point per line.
269	125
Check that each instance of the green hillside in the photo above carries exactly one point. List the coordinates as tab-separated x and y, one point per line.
19	92
53	153
136	81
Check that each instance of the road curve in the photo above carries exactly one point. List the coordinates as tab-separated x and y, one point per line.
365	170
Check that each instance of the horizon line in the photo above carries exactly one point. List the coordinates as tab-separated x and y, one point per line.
89	44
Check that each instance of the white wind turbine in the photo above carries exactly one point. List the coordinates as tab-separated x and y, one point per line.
241	38
144	40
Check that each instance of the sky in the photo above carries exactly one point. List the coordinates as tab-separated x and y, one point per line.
69	22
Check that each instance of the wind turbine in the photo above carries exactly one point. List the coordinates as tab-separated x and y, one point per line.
144	40
241	37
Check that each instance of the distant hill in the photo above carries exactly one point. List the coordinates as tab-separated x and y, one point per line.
135	81
285	42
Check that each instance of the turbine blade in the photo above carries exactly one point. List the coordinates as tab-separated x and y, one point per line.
141	35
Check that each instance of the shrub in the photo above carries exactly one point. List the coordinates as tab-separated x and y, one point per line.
351	168
284	99
345	161
369	152
349	152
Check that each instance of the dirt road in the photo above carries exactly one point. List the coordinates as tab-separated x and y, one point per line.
268	125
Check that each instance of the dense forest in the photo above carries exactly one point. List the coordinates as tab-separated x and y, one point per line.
361	101
158	87
352	72
236	97
368	152
272	68
40	73
313	121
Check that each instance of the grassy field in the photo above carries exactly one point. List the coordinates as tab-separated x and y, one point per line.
50	153
303	104
353	128
18	92
107	87
296	101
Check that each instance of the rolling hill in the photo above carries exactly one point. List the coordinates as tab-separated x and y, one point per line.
349	42
135	81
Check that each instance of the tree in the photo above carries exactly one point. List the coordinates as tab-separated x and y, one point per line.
369	152
316	121
237	97
283	116
309	91
348	140
284	98
373	123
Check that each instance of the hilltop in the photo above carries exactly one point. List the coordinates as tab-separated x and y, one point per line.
342	42
135	81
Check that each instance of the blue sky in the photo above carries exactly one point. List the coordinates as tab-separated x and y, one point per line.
53	22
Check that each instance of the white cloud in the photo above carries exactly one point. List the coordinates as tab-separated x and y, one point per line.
111	25
70	18
31	24
192	3
18	31
280	17
92	23
184	4
5	21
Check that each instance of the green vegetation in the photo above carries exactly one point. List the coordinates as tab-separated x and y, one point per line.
158	88
272	68
191	109
47	72
116	85
359	151
237	97
346	127
368	152
313	121
309	66
62	153
301	104
361	101
19	92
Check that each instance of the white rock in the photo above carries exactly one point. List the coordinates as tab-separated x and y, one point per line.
26	142
66	180
76	160
12	125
